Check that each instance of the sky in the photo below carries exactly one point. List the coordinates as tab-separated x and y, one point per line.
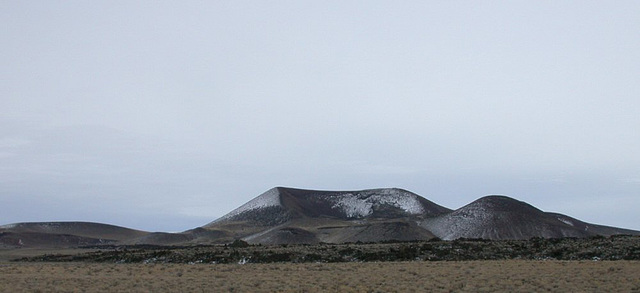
165	115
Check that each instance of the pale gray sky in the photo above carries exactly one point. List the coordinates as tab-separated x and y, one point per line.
164	115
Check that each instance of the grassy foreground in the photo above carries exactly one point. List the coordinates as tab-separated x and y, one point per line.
417	276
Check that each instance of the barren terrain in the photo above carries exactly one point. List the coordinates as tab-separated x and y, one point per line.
599	264
418	276
596	248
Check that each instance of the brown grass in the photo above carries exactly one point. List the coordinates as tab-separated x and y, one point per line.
472	276
11	254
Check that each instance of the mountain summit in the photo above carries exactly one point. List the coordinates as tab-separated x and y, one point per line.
280	203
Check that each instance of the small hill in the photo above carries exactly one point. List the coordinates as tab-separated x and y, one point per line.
38	234
501	217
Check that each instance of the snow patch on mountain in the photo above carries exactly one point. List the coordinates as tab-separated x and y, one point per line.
49	226
45	226
398	198
353	206
268	199
461	223
362	204
565	221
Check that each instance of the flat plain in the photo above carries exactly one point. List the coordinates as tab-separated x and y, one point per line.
413	276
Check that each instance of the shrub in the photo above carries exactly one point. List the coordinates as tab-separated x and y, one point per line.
239	244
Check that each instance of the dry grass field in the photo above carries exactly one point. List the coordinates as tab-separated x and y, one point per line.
464	276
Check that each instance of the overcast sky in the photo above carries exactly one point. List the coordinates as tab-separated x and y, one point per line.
164	115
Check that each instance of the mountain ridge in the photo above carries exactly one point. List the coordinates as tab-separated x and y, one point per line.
367	215
284	215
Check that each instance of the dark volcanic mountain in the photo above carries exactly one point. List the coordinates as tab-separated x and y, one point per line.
279	204
287	215
501	217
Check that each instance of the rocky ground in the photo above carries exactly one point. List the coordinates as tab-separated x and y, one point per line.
595	249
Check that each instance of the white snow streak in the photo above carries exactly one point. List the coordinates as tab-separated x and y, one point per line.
565	221
362	204
353	206
459	223
9	226
268	199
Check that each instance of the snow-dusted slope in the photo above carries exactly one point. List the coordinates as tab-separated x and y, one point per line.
270	198
282	203
500	217
370	203
363	203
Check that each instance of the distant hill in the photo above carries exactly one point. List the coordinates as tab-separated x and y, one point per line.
501	217
64	234
288	216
